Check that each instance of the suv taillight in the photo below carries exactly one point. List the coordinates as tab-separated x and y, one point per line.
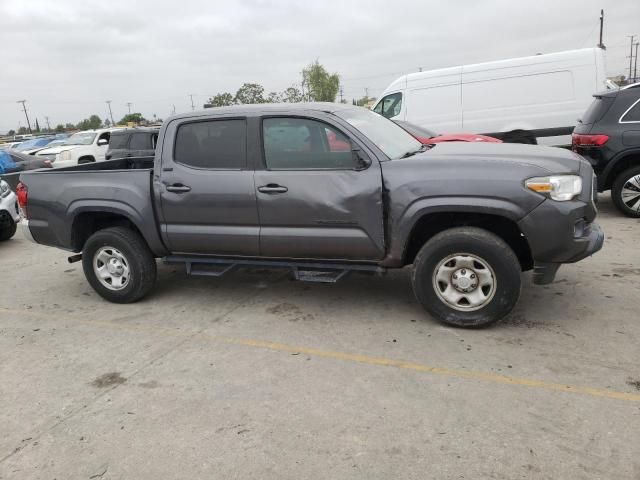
23	196
581	140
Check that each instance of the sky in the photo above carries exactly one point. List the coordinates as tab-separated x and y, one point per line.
67	57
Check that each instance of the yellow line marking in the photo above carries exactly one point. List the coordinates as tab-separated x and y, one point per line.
350	357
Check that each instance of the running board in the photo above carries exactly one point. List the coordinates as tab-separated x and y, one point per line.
302	271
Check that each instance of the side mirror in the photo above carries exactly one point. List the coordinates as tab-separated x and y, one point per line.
103	141
361	160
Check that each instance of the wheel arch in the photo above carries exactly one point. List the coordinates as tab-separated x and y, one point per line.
88	219
500	218
619	163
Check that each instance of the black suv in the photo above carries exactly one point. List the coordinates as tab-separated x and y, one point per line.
608	136
132	142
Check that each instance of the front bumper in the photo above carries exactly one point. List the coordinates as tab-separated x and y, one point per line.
545	272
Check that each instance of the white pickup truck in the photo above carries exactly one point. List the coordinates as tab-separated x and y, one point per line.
83	147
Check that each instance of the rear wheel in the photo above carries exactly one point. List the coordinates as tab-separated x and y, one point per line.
626	192
119	265
7	227
467	277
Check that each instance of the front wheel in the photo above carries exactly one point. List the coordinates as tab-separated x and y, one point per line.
625	192
119	265
466	277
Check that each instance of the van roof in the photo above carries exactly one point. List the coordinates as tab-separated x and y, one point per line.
583	53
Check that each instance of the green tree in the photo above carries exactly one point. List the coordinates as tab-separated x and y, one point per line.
221	100
321	86
250	93
69	126
292	95
107	122
59	128
274	97
364	101
90	123
132	117
11	132
22	130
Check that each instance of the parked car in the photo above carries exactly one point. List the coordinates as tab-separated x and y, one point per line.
608	135
261	185
132	142
426	136
9	145
8	212
518	100
34	145
83	147
12	163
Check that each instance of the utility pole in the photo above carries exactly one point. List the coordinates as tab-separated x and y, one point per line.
193	107
24	107
600	44
366	92
108	102
632	37
635	64
129	107
48	126
341	95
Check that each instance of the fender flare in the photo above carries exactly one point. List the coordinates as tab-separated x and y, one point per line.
606	173
150	234
404	225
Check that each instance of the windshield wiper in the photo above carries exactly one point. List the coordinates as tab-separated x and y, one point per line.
410	153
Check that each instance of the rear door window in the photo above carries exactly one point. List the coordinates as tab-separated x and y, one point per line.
214	144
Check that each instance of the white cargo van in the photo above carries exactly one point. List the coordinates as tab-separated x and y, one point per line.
524	100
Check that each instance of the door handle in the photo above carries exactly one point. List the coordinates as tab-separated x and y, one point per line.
178	188
272	188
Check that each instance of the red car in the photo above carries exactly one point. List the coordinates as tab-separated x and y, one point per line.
427	136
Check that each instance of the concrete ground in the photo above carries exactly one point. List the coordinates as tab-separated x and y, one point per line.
256	376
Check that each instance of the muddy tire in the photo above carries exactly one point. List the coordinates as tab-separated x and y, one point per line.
466	277
119	265
624	190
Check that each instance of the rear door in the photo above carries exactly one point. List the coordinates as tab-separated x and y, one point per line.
315	200
206	190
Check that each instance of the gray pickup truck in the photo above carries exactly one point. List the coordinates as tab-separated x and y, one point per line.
322	189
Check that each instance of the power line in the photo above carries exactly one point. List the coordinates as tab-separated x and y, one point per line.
632	37
108	102
24	107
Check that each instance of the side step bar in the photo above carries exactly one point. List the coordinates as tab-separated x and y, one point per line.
303	271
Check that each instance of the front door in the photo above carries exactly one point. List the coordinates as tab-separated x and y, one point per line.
206	190
315	199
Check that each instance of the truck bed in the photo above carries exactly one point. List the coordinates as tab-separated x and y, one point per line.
60	199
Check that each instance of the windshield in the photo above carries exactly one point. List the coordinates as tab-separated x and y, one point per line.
388	137
29	144
81	138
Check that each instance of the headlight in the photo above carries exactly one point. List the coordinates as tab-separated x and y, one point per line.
4	189
66	155
557	187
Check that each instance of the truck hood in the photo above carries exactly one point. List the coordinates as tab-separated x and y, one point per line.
551	159
56	150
